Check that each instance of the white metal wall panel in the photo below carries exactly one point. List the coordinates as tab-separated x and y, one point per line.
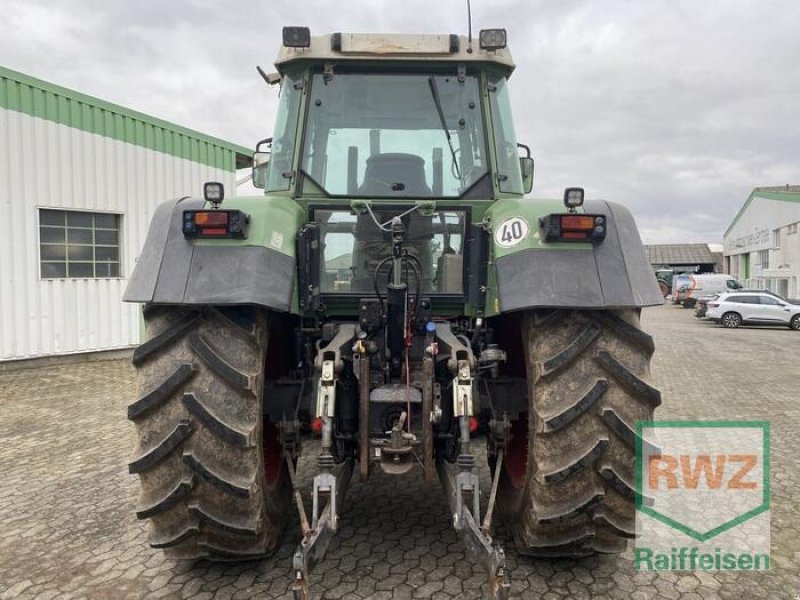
754	231
44	164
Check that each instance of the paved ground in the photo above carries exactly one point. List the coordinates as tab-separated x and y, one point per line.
67	528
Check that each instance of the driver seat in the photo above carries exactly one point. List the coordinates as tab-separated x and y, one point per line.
395	173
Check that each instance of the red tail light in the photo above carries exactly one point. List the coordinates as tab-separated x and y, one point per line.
713	305
210	217
576	223
210	224
573	228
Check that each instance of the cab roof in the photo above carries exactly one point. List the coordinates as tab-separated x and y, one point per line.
395	47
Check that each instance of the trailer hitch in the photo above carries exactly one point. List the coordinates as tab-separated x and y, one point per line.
478	542
317	536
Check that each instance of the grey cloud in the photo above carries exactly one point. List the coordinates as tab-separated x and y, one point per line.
673	108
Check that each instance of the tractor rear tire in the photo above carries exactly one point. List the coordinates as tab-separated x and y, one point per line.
567	488
213	484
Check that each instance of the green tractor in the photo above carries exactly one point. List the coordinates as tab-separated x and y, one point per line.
394	294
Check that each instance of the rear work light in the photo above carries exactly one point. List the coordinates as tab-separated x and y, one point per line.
215	224
296	37
573	228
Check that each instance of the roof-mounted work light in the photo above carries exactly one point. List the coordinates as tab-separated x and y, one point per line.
572	226
296	37
215	223
492	39
214	192
573	198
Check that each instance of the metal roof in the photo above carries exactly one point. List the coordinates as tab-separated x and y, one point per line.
37	98
680	254
782	193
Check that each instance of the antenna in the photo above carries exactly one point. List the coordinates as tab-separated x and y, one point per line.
469	27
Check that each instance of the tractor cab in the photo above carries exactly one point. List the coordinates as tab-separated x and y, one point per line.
393	117
376	127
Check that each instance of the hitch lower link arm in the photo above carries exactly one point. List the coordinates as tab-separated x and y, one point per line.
478	542
316	537
332	479
461	484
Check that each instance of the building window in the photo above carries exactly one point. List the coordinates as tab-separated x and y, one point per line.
776	238
77	244
764	257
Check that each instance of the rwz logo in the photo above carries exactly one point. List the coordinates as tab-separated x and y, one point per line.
687	471
702	478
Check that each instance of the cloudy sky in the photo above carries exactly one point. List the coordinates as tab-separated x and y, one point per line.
676	108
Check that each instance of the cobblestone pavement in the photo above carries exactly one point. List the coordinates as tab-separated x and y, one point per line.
67	528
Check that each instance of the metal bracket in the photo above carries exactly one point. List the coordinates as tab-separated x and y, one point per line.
328	364
462	390
467	482
324	483
326	390
460	363
327	72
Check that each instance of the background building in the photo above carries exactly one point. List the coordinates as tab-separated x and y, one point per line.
668	260
79	181
762	244
684	258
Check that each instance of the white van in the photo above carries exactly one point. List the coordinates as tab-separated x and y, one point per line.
686	289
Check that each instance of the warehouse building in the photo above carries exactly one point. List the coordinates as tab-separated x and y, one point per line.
80	179
762	244
683	258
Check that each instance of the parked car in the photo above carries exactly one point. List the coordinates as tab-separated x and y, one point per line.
686	289
702	303
732	309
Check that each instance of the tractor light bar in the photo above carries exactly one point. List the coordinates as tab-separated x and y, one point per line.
492	39
215	224
573	228
296	37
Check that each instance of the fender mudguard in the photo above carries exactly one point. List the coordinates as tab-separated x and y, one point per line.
611	274
259	270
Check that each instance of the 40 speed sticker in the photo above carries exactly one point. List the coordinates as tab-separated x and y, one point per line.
511	232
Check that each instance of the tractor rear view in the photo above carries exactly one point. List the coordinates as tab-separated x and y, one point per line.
395	295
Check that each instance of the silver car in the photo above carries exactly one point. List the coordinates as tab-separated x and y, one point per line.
753	308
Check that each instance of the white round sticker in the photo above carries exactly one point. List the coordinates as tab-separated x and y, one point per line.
511	232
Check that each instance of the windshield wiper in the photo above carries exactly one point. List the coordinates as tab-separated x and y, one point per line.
438	102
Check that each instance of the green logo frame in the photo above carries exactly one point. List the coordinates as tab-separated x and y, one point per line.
697	535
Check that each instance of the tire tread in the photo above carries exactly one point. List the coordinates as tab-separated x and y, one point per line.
577	498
